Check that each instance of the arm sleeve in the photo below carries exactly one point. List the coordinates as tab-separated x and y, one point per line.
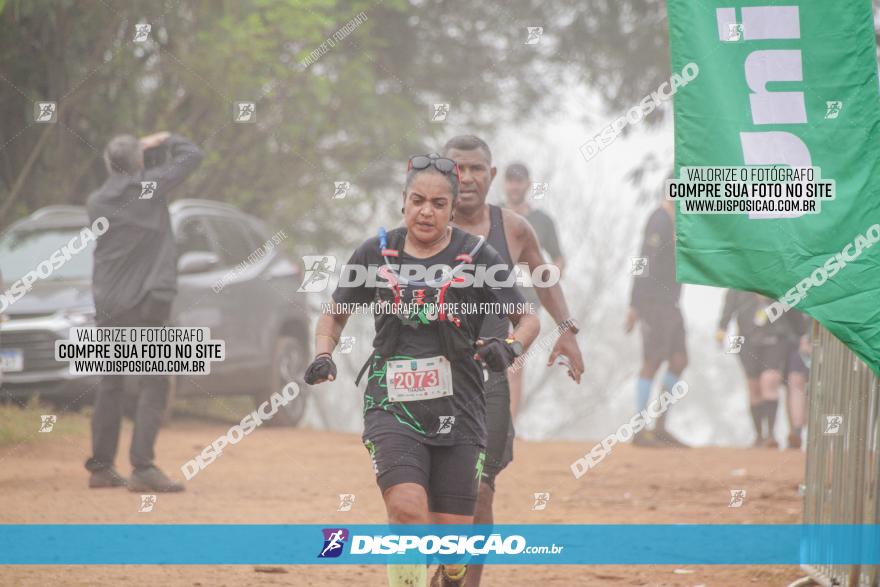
184	157
651	241
353	294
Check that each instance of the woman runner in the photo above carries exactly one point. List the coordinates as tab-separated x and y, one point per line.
424	410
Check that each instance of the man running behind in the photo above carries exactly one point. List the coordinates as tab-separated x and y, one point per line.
513	238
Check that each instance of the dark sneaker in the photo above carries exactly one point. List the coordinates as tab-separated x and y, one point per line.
153	479
794	441
108	477
441	579
770	443
646	438
668	439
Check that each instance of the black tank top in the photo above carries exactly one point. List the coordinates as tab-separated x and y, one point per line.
493	326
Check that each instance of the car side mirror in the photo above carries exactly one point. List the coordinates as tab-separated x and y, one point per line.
197	262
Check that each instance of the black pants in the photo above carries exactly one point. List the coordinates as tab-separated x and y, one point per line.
152	396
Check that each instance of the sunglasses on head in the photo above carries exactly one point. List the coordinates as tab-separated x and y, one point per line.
441	164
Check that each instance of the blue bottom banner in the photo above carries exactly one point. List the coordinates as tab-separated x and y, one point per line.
205	544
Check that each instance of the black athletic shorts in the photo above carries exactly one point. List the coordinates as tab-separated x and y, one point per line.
449	474
499	426
795	363
766	355
663	332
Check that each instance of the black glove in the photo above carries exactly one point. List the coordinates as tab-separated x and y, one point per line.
496	353
321	368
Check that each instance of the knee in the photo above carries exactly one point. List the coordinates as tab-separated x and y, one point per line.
678	364
406	506
156	397
485	497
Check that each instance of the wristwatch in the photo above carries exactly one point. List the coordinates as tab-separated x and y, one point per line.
570	324
515	345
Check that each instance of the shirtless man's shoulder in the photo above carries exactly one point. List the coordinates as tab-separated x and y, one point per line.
518	233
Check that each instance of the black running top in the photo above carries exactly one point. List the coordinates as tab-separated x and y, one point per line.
493	326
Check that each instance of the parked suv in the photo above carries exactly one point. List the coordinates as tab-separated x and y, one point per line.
225	282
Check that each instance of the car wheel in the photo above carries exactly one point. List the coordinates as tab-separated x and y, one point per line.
19	399
288	365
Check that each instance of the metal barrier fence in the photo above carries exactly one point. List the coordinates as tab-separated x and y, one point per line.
843	453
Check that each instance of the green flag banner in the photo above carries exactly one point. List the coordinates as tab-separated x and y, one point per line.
795	84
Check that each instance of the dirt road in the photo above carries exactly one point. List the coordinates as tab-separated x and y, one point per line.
295	476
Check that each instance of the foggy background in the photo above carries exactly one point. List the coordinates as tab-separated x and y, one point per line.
356	114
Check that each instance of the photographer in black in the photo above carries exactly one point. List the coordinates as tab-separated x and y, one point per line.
134	282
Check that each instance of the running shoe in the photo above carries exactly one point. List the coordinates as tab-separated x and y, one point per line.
668	439
441	579
107	477
770	443
152	479
646	439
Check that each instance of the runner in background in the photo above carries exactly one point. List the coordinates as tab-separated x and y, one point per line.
743	306
797	373
517	186
513	238
654	304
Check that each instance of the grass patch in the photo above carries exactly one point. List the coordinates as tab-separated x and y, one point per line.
226	409
22	424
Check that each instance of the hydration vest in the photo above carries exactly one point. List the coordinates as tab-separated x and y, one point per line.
455	341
